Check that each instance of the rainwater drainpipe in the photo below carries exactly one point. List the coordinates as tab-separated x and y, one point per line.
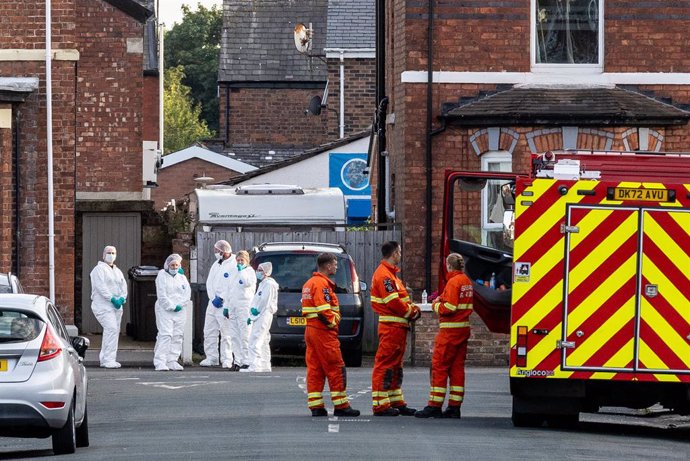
342	94
15	168
161	82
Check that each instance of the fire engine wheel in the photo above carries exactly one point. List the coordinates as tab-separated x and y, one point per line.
527	419
563	421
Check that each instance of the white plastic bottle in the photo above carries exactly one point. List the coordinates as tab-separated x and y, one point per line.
492	282
424	297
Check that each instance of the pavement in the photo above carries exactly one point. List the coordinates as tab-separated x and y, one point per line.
130	353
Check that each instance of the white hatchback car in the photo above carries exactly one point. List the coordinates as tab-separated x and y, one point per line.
42	377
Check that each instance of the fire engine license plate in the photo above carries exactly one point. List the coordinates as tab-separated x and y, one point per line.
641	195
297	321
3	365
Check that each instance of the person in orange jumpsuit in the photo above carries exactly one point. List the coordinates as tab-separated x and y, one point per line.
453	307
390	300
323	356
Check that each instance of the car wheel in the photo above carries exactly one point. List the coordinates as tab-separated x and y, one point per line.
65	439
83	430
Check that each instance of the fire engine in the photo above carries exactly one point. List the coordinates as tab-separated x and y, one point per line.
590	275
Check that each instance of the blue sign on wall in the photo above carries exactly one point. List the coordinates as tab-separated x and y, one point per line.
348	173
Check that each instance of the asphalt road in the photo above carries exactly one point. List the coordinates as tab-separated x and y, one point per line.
202	414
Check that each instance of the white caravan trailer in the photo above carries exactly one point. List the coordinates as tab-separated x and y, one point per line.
274	206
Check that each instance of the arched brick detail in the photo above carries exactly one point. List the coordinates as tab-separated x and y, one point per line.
631	140
545	139
594	139
509	140
479	140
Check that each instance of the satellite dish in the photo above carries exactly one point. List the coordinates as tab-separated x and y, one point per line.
202	181
303	38
315	105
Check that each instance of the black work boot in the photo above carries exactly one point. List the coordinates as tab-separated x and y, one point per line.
387	412
349	411
319	412
406	411
429	412
451	412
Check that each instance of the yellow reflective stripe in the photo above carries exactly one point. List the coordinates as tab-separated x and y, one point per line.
338	393
395	392
379	393
392	318
309	310
450	307
311	316
455	398
315	403
454	324
335	308
435	307
465	306
378	403
434	398
339	401
314	395
388	298
397	398
457	389
439	389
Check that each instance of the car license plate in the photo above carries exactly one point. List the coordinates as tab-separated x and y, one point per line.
3	365
641	195
297	321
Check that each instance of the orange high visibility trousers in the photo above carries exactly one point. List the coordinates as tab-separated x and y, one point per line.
448	366
387	376
324	361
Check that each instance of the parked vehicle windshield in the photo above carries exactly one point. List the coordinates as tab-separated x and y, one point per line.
291	271
18	327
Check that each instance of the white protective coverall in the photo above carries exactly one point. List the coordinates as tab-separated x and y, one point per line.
266	302
219	277
108	282
171	291
237	298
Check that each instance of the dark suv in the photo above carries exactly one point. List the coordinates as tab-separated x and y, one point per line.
293	265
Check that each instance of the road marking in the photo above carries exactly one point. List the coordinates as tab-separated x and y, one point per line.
334	428
175	386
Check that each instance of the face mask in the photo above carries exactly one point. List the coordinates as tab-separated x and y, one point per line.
110	258
240	267
172	271
259	275
218	256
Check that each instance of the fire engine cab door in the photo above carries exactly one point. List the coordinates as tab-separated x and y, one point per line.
600	286
664	327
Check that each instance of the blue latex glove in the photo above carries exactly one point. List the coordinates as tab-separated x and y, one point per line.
116	302
217	302
249	321
121	301
226	314
178	308
180	271
254	311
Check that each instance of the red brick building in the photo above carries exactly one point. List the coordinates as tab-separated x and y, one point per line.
102	116
512	78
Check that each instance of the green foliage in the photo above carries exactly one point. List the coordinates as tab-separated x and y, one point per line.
182	124
194	44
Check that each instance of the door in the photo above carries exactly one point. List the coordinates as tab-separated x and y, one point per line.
123	230
664	326
600	285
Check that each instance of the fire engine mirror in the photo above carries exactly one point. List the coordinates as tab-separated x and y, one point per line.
508	196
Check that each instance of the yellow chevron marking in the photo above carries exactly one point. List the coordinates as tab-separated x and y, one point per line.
683	220
539	269
666	332
665	242
542	307
595	340
651	360
622	356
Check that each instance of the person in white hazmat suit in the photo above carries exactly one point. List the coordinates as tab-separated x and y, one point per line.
264	306
108	294
174	295
239	294
222	271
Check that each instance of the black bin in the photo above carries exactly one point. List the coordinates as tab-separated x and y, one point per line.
142	303
200	300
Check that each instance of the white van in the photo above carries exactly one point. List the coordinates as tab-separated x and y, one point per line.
267	205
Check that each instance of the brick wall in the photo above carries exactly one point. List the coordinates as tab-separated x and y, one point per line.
150	108
272	116
6	197
110	94
646	38
177	181
360	95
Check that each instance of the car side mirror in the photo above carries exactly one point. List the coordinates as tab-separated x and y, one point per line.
362	286
81	344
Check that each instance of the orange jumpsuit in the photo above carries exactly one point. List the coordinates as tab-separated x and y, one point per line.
453	307
323	356
390	300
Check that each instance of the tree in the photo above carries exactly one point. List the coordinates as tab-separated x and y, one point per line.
182	124
194	44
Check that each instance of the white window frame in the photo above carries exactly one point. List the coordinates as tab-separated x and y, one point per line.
563	68
505	161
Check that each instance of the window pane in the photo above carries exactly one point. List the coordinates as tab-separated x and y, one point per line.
292	271
18	327
567	31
